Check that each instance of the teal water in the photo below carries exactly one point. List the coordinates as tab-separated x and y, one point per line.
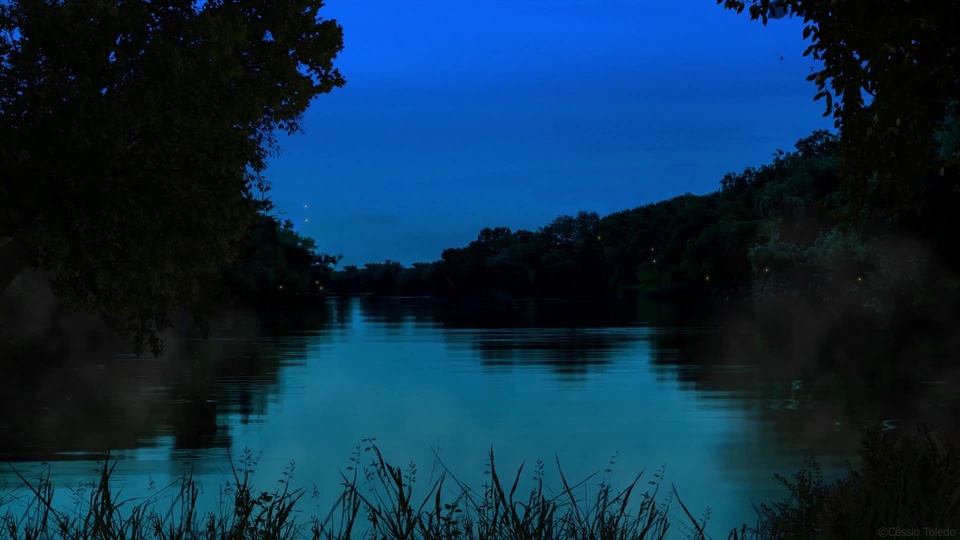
643	385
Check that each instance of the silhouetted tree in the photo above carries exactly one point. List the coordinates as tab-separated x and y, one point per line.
890	77
134	138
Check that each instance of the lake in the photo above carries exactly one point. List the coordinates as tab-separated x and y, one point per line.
640	384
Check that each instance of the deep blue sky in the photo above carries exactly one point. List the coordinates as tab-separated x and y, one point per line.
464	114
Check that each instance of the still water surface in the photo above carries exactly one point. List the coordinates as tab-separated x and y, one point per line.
643	385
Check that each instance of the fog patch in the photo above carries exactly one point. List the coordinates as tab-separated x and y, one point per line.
59	369
877	352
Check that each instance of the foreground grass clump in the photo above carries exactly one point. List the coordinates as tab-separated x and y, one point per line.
377	501
99	513
907	486
496	512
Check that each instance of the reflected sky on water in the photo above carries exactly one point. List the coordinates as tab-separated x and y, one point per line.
644	385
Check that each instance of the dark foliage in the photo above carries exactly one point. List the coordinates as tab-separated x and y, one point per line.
134	137
276	265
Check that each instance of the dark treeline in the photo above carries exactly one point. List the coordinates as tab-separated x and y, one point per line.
690	244
781	229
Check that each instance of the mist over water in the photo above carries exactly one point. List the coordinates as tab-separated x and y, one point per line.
723	396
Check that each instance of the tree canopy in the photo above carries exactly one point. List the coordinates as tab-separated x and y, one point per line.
135	137
890	76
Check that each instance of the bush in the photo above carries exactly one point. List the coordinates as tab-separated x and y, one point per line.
906	482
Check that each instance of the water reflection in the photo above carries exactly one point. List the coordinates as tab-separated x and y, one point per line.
730	356
101	399
773	365
661	383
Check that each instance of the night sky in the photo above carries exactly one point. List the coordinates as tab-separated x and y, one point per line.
464	114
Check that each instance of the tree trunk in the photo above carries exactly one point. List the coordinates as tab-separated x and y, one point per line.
10	264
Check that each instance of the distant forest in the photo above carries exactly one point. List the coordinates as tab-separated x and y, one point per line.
788	228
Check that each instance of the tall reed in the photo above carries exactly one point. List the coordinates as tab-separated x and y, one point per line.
446	511
906	483
378	500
